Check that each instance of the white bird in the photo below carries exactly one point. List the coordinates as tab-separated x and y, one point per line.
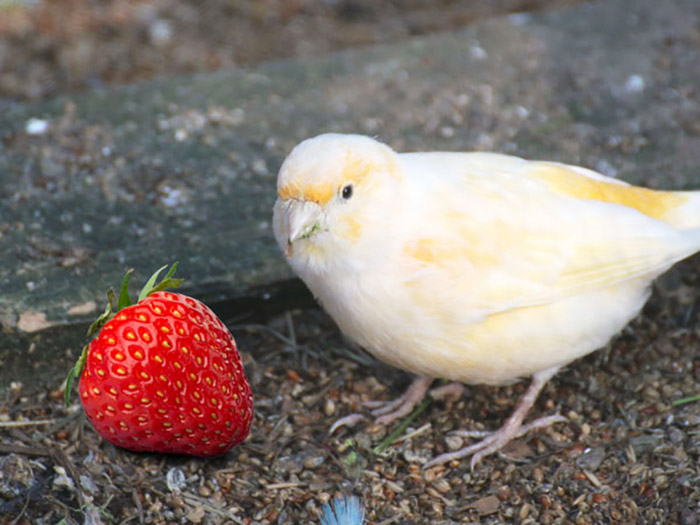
474	267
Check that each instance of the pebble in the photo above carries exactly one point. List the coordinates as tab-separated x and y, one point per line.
442	485
62	480
635	84
196	515
675	435
89	485
314	461
36	126
454	442
591	458
175	479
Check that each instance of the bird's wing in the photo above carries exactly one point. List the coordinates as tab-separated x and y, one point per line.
511	234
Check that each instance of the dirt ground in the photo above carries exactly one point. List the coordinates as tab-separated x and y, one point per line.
627	454
49	47
630	452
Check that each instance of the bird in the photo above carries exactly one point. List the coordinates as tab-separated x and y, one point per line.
473	267
345	510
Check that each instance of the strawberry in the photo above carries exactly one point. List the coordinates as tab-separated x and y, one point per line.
164	375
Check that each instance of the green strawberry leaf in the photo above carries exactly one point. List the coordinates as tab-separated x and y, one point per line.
76	371
104	317
167	282
124	299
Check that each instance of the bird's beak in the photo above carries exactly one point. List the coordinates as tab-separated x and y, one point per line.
304	220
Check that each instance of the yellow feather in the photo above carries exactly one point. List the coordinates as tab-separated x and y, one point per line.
353	169
566	180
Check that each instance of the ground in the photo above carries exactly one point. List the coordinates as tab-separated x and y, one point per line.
630	452
627	455
50	47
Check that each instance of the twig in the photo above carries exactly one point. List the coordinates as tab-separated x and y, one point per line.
194	500
290	329
60	424
288	485
19	424
27	451
415	433
388	521
24	509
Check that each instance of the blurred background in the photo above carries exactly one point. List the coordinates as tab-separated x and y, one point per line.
50	47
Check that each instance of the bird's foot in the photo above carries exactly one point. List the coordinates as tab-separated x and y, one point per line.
492	441
388	412
513	427
348	421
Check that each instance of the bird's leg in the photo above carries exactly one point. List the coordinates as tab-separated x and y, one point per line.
404	404
452	390
386	412
512	428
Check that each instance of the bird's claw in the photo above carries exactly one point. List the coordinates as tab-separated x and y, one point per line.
348	421
492	441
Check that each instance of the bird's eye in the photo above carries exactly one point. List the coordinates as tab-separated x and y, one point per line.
347	191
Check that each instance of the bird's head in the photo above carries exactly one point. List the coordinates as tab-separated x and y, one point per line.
335	193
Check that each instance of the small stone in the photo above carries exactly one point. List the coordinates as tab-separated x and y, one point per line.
314	461
329	407
175	479
538	475
160	32
634	84
36	126
447	132
82	308
486	506
89	485
477	52
196	515
442	485
62	480
454	443
591	458
676	436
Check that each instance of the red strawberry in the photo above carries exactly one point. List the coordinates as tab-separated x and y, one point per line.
164	375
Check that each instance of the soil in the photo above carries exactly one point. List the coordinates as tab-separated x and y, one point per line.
627	454
48	47
630	452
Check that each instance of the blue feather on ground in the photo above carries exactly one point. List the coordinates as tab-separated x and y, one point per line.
343	511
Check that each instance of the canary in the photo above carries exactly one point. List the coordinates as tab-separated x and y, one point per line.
474	267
